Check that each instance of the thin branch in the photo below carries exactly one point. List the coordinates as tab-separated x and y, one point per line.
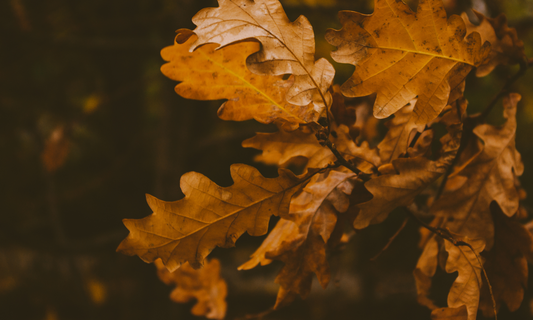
505	89
391	240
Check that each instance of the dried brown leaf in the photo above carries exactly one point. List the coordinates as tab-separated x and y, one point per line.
490	176
506	264
301	241
506	48
402	180
466	288
209	216
401	55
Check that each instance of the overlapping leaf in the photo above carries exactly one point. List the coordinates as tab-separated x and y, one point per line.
506	264
490	176
287	47
402	55
207	74
466	288
187	230
405	178
506	48
301	241
205	285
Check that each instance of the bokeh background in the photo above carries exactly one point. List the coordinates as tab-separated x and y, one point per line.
88	125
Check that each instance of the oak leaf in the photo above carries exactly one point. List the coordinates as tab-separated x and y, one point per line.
506	264
506	48
300	242
403	179
287	47
491	177
209	74
205	285
401	55
467	262
187	230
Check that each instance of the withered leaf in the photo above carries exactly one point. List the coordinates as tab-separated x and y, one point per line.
287	47
405	178
301	241
466	288
205	285
396	141
506	263
209	216
506	48
401	55
280	147
209	74
425	269
56	149
490	176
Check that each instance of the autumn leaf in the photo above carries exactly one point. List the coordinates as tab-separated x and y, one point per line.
209	74
287	47
401	129
300	242
466	262
425	270
506	264
187	230
279	148
489	176
401	55
205	285
506	48
403	179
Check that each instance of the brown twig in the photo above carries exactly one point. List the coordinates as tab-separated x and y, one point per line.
391	240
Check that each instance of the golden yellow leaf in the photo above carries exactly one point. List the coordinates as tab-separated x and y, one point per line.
287	47
187	230
209	74
401	55
491	177
506	48
205	285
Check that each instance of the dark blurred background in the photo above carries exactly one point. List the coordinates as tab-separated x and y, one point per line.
88	125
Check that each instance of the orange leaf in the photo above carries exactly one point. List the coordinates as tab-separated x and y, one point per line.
209	74
187	230
401	55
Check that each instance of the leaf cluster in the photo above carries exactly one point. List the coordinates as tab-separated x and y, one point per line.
461	186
